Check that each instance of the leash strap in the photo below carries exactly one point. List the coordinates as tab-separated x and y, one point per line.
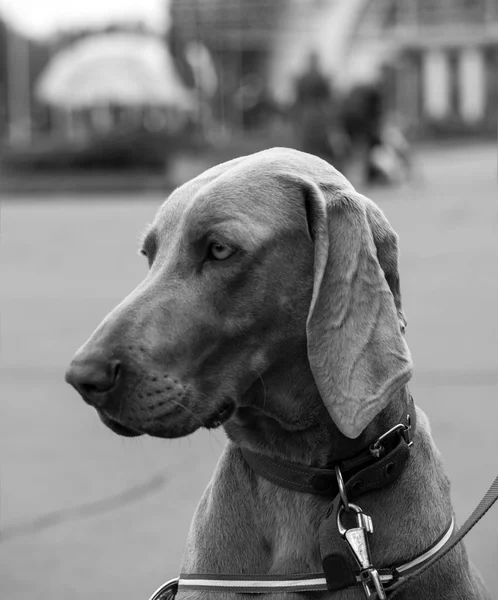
167	591
260	584
254	584
482	508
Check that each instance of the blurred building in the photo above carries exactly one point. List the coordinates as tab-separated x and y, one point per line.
239	36
438	60
237	32
323	27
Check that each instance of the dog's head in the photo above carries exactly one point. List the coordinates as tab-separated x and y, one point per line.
253	259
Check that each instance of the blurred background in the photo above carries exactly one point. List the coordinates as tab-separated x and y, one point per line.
162	87
105	107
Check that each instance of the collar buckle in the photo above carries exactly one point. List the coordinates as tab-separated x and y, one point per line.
377	449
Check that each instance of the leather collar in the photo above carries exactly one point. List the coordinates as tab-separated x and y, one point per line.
373	468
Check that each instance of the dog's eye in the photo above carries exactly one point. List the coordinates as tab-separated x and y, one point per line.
220	251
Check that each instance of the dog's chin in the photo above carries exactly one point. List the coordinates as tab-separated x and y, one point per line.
172	428
186	422
169	430
119	428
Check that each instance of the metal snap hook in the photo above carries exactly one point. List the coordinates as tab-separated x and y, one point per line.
363	520
357	540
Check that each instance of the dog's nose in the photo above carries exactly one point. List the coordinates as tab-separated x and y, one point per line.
93	378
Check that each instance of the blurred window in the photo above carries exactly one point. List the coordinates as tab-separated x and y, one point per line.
436	12
380	15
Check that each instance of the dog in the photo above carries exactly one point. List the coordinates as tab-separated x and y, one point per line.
272	308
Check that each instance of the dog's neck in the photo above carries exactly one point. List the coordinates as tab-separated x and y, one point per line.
282	415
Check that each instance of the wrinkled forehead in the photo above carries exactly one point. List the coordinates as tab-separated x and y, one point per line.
251	200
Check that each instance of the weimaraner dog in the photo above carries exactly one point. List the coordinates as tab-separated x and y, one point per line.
272	307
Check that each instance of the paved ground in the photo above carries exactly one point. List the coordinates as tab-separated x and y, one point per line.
126	504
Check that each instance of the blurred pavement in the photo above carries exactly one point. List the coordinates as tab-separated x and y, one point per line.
64	265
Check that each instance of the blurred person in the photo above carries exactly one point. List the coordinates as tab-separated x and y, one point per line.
316	116
378	138
373	116
363	114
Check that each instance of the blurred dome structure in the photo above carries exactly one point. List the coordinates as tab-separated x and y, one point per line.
123	69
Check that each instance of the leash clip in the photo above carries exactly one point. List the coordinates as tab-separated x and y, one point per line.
356	538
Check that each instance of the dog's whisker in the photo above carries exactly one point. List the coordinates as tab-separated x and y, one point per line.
187	410
264	387
120	410
212	436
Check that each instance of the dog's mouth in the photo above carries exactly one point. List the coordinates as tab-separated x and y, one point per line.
117	427
221	415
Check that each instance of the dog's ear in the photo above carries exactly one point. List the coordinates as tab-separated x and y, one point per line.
356	350
386	243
